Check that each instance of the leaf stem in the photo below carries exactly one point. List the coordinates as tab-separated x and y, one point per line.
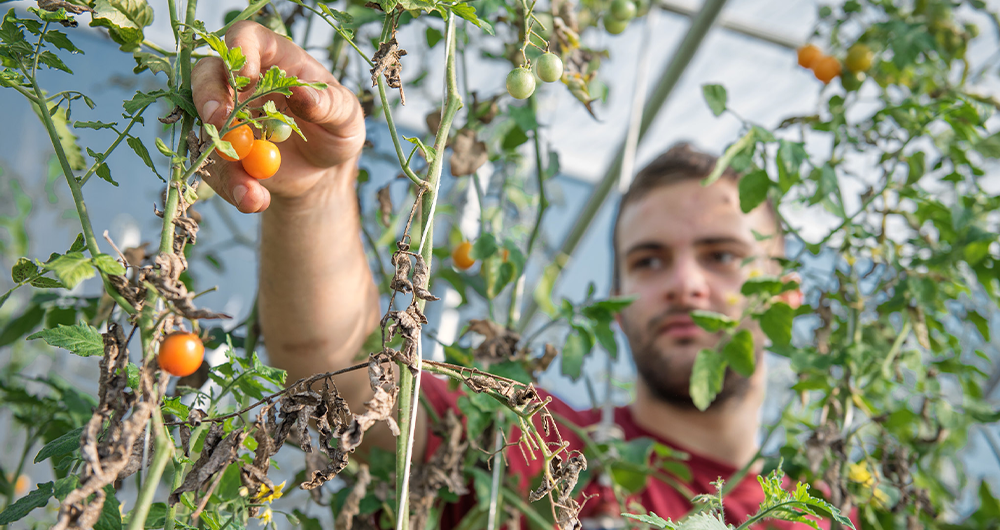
104	156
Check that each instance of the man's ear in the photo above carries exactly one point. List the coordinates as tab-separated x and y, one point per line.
793	297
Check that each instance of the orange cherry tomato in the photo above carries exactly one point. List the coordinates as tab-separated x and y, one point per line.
808	55
241	139
460	256
181	353
826	68
263	161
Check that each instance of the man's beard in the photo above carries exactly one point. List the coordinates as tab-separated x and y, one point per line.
668	378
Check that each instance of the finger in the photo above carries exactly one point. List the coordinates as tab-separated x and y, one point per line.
233	184
333	107
212	96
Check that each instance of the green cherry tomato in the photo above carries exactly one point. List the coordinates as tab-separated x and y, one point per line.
614	26
549	67
277	131
520	83
642	7
623	10
852	81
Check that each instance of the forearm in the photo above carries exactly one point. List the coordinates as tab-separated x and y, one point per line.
317	301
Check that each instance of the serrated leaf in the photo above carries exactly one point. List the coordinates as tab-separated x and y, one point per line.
652	520
96	125
61	41
62	445
23	270
66	137
46	283
104	172
139	101
468	12
109	265
745	142
707	376
739	353
703	521
715	96
36	499
339	16
21	325
82	339
71	268
275	80
155	63
53	61
64	486
78	244
140	149
125	20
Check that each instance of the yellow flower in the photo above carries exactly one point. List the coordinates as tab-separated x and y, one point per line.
859	473
755	273
265	516
880	499
732	299
267	495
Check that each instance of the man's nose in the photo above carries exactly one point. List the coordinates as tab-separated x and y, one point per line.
686	282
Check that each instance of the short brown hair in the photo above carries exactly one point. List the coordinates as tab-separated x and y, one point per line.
680	163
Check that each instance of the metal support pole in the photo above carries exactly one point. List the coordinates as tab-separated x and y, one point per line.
700	25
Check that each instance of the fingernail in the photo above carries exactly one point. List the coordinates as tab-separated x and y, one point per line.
239	192
208	109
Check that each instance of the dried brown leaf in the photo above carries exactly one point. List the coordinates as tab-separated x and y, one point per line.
384	205
351	508
468	154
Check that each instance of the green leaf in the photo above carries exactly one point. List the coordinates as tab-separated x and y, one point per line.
46	283
543	290
125	20
484	247
711	321
468	12
790	157
71	268
514	138
777	323
339	16
82	339
429	153
109	265
23	270
66	137
78	244
606	338
747	141
704	521
22	325
981	324
413	5
770	285
578	344
275	80
715	96
140	149
62	445
64	486
36	499
61	41
53	61
753	189
154	63
707	376
653	520
111	514
739	353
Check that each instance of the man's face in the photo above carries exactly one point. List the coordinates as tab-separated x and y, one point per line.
681	248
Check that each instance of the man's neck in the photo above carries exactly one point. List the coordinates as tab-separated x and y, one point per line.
726	432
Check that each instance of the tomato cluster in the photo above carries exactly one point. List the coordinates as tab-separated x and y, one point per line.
521	82
825	67
260	157
620	13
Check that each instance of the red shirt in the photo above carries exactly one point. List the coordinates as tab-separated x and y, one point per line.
657	497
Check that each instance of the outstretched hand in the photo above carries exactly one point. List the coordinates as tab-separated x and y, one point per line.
330	119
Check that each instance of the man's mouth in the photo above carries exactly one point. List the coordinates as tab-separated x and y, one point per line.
680	327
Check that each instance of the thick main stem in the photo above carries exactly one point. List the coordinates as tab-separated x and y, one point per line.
410	383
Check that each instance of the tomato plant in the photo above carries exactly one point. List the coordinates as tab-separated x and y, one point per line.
890	359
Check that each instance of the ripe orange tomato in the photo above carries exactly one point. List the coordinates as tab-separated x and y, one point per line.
263	161
808	55
859	58
181	353
460	256
241	139
826	68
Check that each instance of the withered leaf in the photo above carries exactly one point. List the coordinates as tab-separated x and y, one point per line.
500	344
213	459
400	280
351	508
384	205
421	277
386	61
467	153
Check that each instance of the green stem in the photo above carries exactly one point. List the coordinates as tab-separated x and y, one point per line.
395	135
75	191
38	49
121	136
163	452
178	480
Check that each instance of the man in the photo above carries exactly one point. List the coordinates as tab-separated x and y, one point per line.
679	246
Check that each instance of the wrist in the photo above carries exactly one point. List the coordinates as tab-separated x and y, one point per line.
334	187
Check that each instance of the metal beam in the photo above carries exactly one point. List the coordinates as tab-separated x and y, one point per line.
734	25
700	24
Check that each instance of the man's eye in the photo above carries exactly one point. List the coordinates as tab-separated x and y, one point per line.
724	257
647	263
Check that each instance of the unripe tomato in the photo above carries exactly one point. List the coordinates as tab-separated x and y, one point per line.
460	256
826	68
241	138
614	26
852	81
549	67
808	55
277	131
181	353
263	161
642	7
520	83
859	58
623	10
